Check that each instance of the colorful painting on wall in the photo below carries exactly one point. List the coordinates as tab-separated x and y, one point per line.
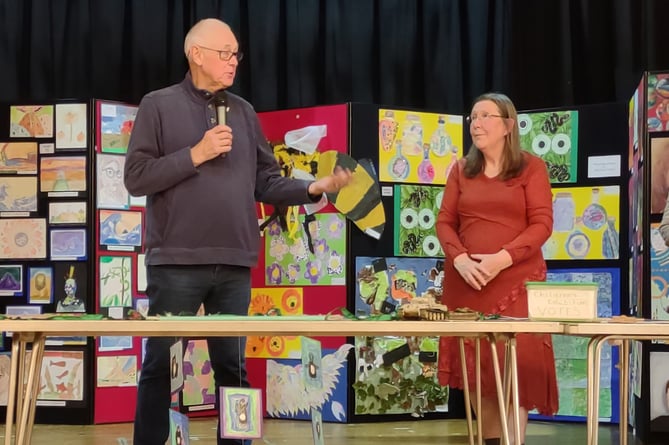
31	121
241	413
115	281
416	210
62	376
571	352
659	391
659	275
274	301
313	256
71	126
553	136
111	192
395	377
416	147
199	392
41	285
120	228
23	238
585	224
658	102
116	123
117	370
11	279
179	428
63	174
68	244
384	283
659	174
67	212
288	397
18	157
18	194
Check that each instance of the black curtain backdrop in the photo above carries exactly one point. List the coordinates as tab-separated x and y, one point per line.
428	54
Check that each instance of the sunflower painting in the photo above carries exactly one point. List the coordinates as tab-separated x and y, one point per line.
277	302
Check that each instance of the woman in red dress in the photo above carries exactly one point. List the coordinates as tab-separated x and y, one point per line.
495	216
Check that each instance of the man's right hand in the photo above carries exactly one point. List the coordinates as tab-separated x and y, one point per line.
216	142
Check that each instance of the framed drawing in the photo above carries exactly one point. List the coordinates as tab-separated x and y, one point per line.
241	413
68	244
67	212
41	285
11	279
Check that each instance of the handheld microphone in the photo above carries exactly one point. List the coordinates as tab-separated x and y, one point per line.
221	103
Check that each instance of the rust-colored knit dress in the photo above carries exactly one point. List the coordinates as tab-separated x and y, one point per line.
484	215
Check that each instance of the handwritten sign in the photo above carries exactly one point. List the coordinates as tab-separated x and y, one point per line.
562	301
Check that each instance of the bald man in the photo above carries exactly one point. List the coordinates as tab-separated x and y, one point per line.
202	176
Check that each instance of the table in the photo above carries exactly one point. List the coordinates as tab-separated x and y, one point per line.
26	331
600	332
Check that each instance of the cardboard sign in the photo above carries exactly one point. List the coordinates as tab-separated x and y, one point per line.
552	301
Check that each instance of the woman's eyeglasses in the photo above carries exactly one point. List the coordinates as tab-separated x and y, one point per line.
483	117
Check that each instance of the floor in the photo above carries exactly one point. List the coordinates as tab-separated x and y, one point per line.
424	432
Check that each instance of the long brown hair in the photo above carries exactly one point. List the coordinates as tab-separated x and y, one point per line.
512	156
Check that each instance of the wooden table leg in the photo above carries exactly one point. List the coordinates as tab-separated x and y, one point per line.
514	387
28	410
38	349
465	389
590	418
500	390
479	415
624	388
13	385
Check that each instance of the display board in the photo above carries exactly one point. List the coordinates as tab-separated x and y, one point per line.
46	239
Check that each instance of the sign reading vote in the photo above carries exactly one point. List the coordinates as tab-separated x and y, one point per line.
551	301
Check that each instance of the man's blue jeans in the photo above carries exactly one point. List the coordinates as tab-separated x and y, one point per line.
180	290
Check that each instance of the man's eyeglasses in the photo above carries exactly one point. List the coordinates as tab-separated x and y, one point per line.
483	117
225	54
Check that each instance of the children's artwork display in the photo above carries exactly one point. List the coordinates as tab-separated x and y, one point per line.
658	102
659	173
11	279
659	392
41	285
241	413
314	255
274	301
418	147
61	175
179	428
18	158
45	245
111	192
553	136
121	229
416	210
119	370
571	352
585	224
290	397
115	124
71	126
659	275
63	376
120	272
115	287
397	375
31	121
199	392
384	283
23	238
